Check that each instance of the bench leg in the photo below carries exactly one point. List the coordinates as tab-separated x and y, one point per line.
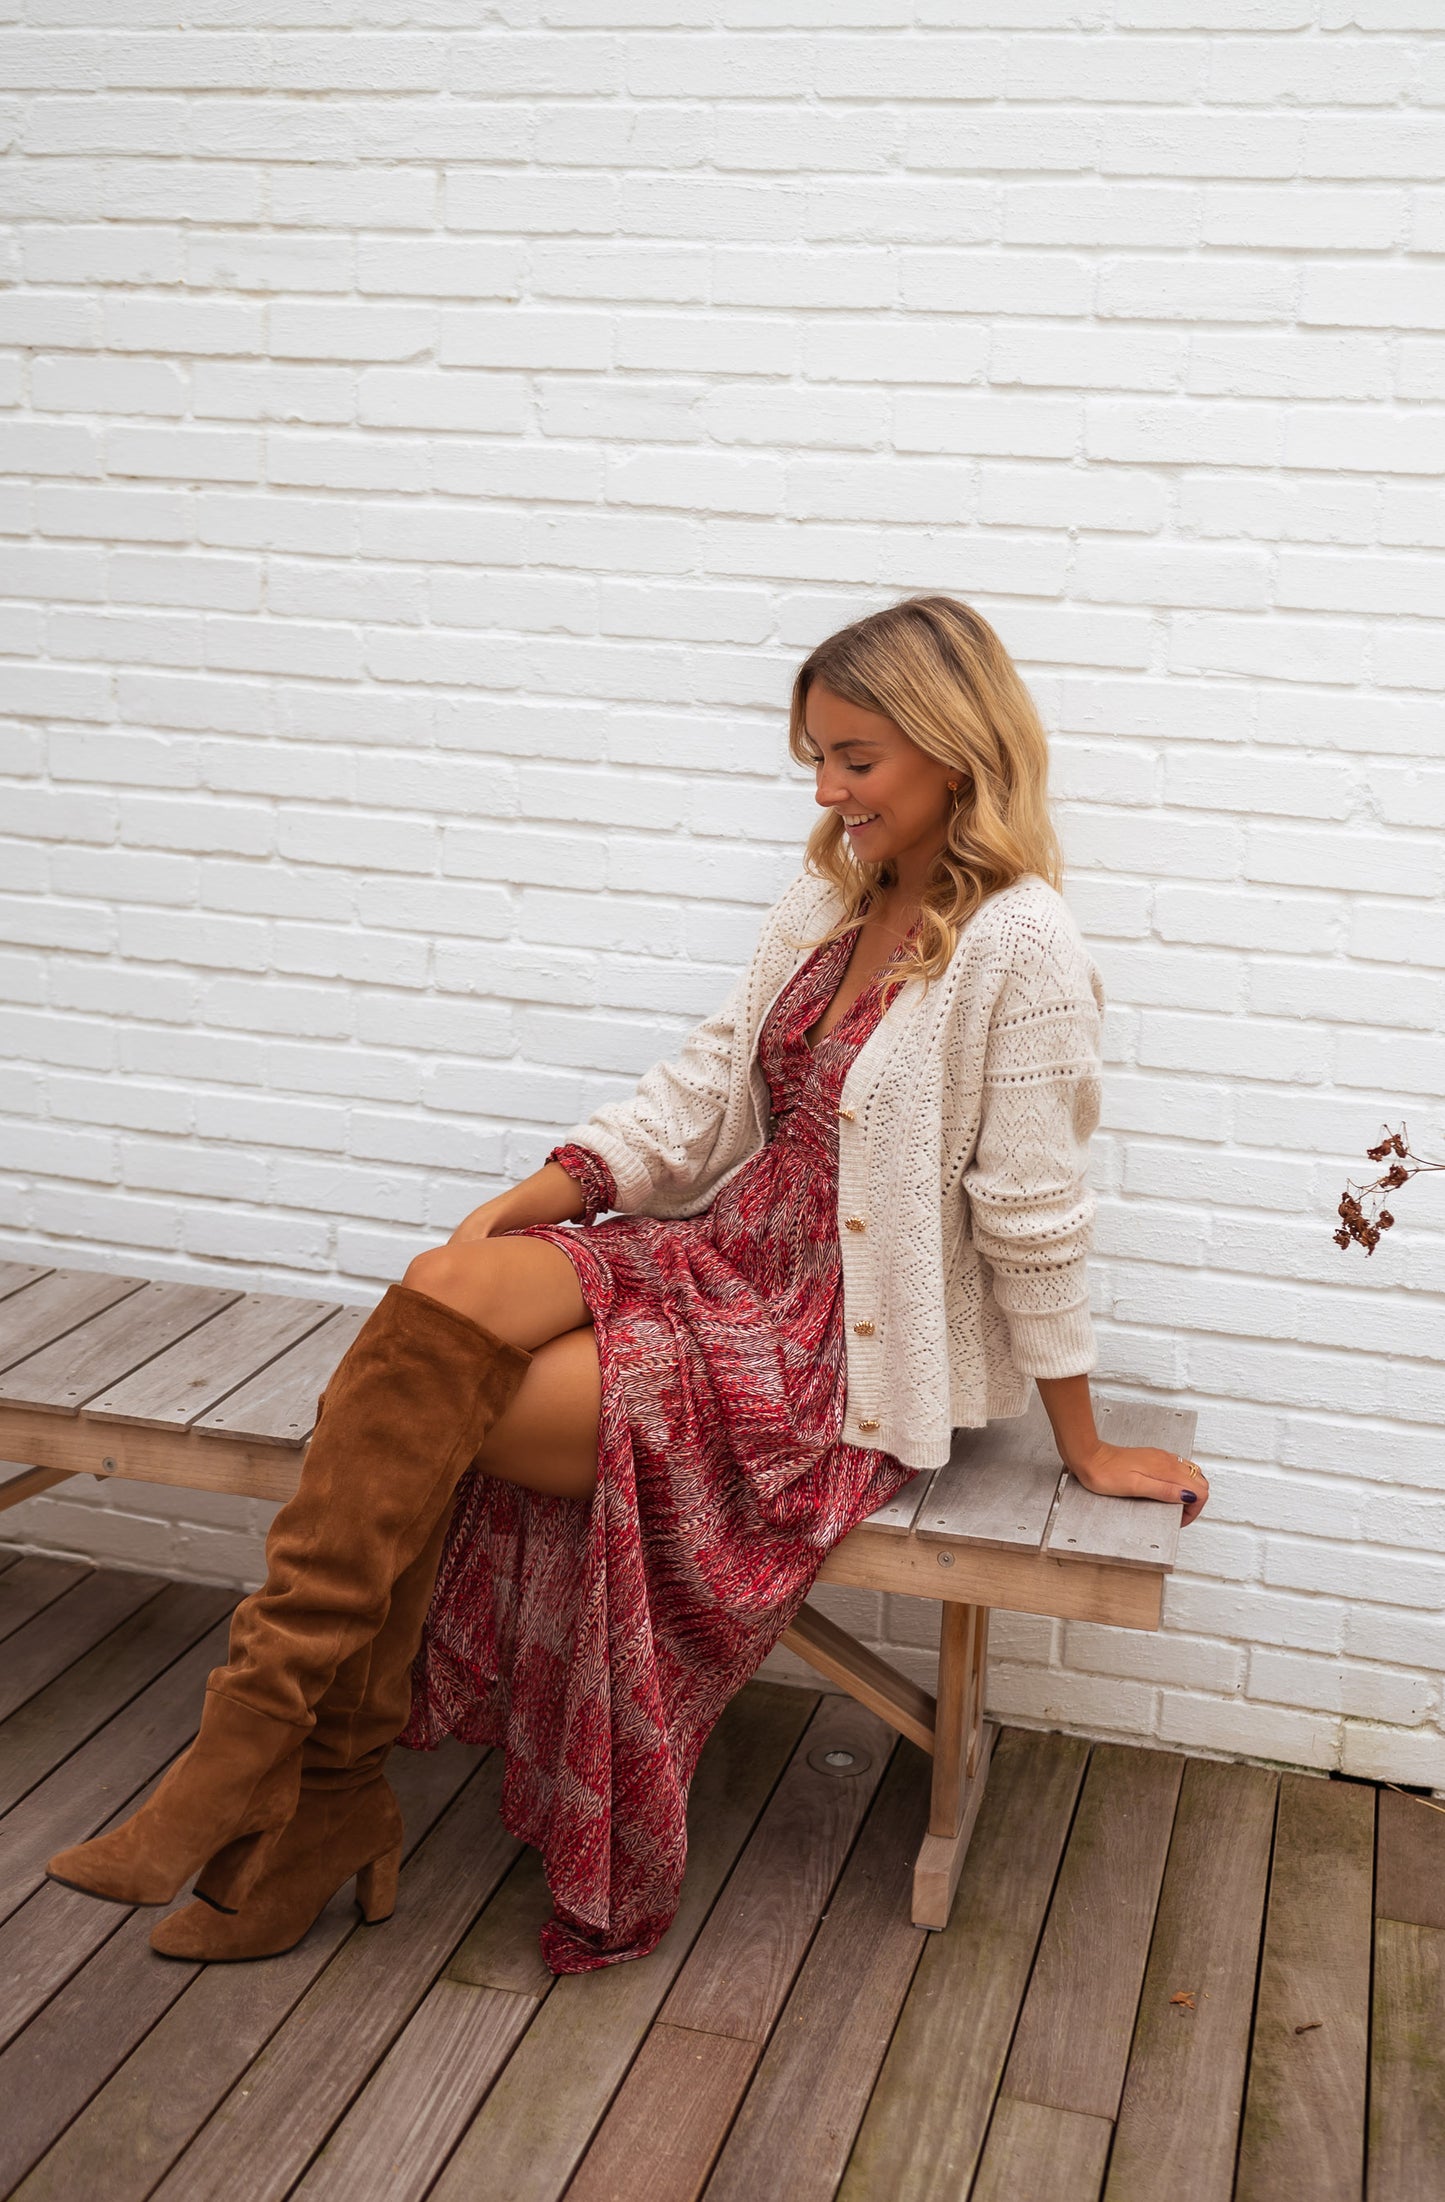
30	1484
963	1743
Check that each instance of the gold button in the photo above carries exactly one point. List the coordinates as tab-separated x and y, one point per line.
849	1113
865	1425
864	1330
856	1223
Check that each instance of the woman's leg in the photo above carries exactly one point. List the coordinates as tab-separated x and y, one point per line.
346	1817
408	1409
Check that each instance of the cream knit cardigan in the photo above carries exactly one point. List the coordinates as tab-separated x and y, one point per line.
963	1214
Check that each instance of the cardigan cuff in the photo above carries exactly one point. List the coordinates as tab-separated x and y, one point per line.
1059	1343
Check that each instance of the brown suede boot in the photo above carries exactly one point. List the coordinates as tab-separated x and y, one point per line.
356	1723
406	1412
334	1834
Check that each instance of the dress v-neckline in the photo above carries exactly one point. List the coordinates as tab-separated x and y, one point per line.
871	983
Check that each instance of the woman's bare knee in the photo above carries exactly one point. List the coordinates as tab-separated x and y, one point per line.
547	1439
524	1290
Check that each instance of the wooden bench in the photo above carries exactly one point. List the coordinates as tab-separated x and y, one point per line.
215	1389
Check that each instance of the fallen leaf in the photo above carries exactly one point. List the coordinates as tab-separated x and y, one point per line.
1185	1996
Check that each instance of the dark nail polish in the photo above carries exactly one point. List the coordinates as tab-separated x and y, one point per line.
1187	1496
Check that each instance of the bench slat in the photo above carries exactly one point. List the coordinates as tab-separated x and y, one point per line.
278	1406
15	1275
1129	1532
998	1486
111	1345
895	1518
173	1391
57	1302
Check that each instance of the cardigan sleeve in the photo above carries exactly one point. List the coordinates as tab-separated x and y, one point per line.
661	1139
1032	1208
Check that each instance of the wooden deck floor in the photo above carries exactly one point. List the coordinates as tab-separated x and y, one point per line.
1166	1979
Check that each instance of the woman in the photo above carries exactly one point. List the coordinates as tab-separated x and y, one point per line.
593	1472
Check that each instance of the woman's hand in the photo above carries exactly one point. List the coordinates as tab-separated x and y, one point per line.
549	1195
1141	1472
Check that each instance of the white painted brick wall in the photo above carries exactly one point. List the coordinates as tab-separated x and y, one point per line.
429	446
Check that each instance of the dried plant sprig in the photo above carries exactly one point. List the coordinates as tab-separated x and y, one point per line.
1362	1211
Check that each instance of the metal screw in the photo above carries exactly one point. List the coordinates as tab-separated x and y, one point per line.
108	1465
945	1559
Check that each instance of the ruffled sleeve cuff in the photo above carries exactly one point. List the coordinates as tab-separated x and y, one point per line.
599	1187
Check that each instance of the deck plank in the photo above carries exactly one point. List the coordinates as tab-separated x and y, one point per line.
1407	2064
1072	2044
64	1715
49	2073
1409	1860
68	1628
744	1961
131	2132
929	2112
33	1582
264	2134
70	1804
15	1276
111	1345
55	1305
1174	2137
812	2086
1046	2154
191	1377
536	2123
1303	2138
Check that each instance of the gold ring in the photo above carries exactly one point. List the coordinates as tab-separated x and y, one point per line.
1189	1465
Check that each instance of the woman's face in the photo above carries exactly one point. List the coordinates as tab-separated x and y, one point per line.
893	798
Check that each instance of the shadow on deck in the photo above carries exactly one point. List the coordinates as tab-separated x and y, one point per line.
1165	1980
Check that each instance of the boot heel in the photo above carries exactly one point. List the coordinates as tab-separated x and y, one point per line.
376	1887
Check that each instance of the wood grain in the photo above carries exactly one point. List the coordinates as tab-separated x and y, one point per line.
1048	2154
1174	2137
1304	2115
70	1804
183	1383
940	1859
59	1719
929	2111
1409	1860
1026	1582
111	1345
850	1666
895	1517
1073	2036
14	1276
68	1628
133	2130
535	2125
1407	2068
812	2086
58	1303
261	2138
998	1486
78	1445
278	1406
33	1583
660	2137
400	2131
70	2049
746	1956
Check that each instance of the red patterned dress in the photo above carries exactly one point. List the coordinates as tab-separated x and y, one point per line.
598	1640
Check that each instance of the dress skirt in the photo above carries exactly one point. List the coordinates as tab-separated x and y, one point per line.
597	1640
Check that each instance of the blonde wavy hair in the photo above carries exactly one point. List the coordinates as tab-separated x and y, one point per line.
936	668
